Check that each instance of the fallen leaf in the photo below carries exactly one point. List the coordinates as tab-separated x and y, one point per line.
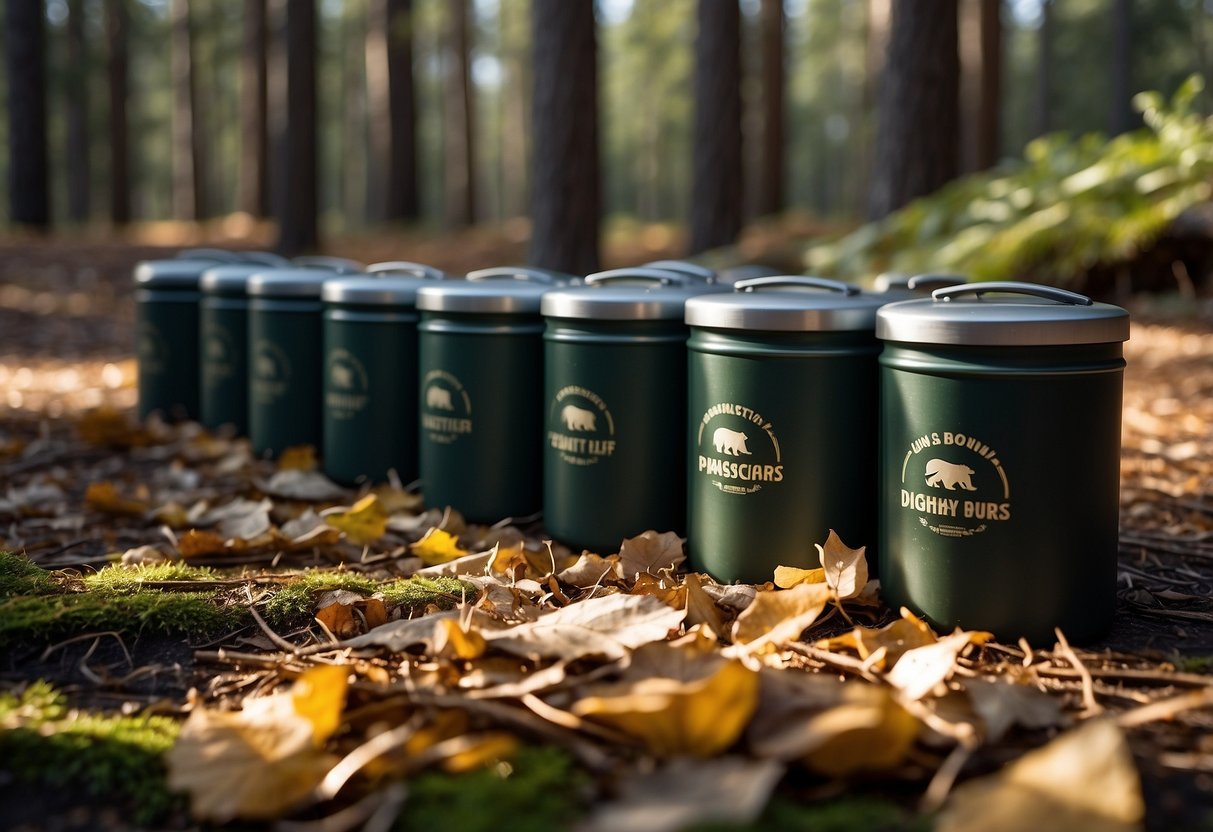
106	426
436	547
307	530
918	671
298	458
199	543
1085	779
491	748
302	485
1002	704
700	607
243	519
735	597
335	610
397	500
663	589
363	523
450	639
399	636
907	633
104	497
650	552
590	570
787	577
846	570
143	555
781	616
474	564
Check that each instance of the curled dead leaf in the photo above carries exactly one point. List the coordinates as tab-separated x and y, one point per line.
104	497
362	523
781	616
919	670
907	633
846	569
787	577
650	552
438	546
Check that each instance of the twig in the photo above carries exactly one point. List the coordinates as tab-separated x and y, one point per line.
1090	705
46	654
834	660
571	721
279	641
1166	708
362	814
363	756
945	777
1127	674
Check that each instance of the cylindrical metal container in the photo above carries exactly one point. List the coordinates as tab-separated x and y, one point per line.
480	367
1000	459
615	403
223	345
285	358
370	377
782	380
166	335
894	286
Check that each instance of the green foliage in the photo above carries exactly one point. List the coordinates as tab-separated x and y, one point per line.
124	580
1071	204
1193	664
116	758
842	815
418	593
293	604
18	576
539	789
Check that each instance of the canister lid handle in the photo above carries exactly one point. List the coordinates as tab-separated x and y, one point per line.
1014	288
338	265
524	273
408	267
935	281
664	277
795	280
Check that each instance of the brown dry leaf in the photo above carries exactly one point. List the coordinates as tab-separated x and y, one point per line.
240	518
438	546
700	607
106	426
476	563
398	636
663	589
787	577
1083	780
306	531
918	671
907	633
375	611
104	497
259	762
199	543
781	616
650	552
846	569
1001	704
363	523
298	458
677	701
451	640
397	500
590	570
335	610
302	485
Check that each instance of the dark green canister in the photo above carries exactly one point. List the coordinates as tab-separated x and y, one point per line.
370	377
166	335
223	345
614	396
1000	459
782	412
285	357
480	367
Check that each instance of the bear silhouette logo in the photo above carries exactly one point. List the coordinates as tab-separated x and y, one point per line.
941	473
265	366
576	418
342	377
730	442
438	398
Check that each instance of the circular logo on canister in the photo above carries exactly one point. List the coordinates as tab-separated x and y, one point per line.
580	426
955	483
271	371
346	384
737	449
446	407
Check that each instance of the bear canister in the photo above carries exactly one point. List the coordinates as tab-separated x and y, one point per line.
614	397
370	377
1000	459
782	412
166	335
285	358
480	368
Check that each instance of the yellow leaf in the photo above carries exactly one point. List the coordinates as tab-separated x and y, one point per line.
787	577
106	426
491	748
846	570
319	697
298	458
104	497
438	546
868	731
700	607
663	589
781	616
363	523
918	671
397	500
451	639
907	633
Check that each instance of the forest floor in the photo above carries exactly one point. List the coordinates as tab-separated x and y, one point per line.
680	702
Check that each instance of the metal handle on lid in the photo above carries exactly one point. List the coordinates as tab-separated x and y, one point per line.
1015	288
407	267
334	264
935	281
684	267
523	273
800	280
664	277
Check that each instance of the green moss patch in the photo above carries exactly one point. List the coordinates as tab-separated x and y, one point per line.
418	593
18	576
293	604
128	579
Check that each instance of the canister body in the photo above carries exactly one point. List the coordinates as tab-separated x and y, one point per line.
480	387
615	429
780	448
999	484
166	325
223	362
284	370
370	394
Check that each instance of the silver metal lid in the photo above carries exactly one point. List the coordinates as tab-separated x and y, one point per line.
634	294
1022	315
891	282
527	273
178	273
407	268
215	255
685	267
266	258
733	274
229	279
340	265
906	286
288	283
787	303
393	290
485	296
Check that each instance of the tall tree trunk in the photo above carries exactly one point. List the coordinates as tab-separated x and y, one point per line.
1044	70
565	195
716	152
459	158
353	142
254	142
876	48
25	46
514	48
293	123
79	74
116	35
1120	114
980	82
391	99
771	161
917	138
189	183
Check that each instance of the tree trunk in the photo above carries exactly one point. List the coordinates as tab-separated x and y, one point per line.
293	123
514	48
1120	115
771	161
565	186
981	82
391	99
917	138
876	48
189	183
1044	70
716	152
77	115
254	141
116	34
459	158
25	46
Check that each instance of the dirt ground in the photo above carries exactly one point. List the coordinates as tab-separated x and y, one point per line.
66	318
